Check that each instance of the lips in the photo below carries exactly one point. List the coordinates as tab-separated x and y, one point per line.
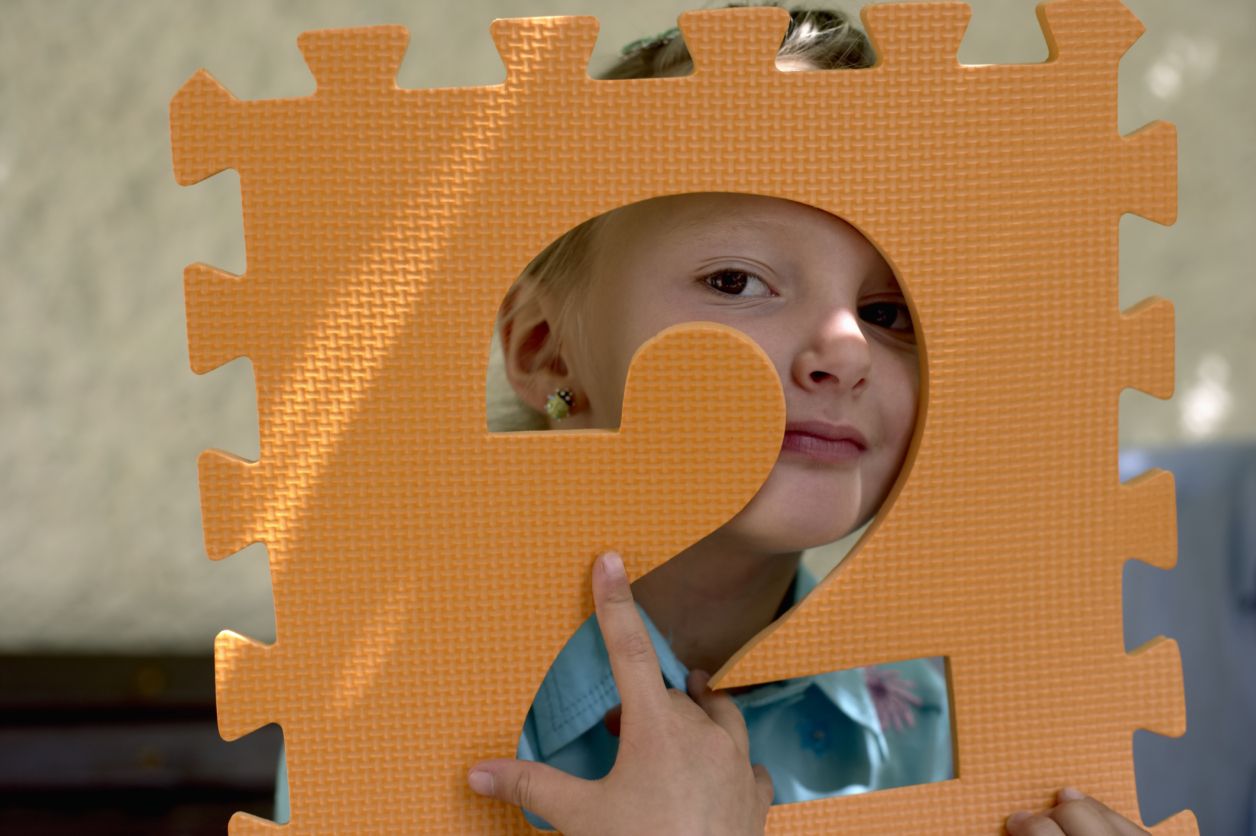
824	442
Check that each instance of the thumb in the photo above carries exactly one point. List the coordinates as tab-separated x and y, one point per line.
548	792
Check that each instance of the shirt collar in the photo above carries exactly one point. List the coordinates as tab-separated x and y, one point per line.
580	687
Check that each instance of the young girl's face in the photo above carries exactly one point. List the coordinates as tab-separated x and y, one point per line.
818	299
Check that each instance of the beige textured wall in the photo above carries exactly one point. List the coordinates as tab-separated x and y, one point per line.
100	545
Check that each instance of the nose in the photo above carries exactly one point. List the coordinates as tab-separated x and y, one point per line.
835	354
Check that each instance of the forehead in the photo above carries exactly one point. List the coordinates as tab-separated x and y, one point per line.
683	221
683	216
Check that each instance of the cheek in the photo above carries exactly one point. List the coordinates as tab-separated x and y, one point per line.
604	371
597	358
615	341
603	380
908	402
902	392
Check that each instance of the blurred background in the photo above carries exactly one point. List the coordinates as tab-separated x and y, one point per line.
108	605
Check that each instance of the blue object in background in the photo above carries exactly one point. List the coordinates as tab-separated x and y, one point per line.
1207	603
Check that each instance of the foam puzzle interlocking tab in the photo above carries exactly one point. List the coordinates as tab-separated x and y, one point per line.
382	229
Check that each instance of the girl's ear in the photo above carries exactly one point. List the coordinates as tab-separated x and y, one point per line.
531	347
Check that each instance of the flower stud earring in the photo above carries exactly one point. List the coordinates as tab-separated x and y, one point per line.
558	405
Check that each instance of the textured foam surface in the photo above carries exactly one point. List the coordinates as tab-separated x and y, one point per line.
426	572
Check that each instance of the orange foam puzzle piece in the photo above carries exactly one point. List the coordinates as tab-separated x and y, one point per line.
426	571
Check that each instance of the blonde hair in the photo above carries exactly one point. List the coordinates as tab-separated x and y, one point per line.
821	38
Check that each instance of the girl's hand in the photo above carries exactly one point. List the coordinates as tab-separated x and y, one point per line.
683	764
1073	815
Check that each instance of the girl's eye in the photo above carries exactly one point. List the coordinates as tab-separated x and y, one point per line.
892	316
737	283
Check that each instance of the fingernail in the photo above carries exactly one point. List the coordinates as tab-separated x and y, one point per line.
1070	794
1017	818
613	565
481	781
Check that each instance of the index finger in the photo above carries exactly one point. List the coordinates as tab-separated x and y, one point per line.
633	661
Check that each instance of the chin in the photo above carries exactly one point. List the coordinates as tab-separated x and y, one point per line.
791	514
792	529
